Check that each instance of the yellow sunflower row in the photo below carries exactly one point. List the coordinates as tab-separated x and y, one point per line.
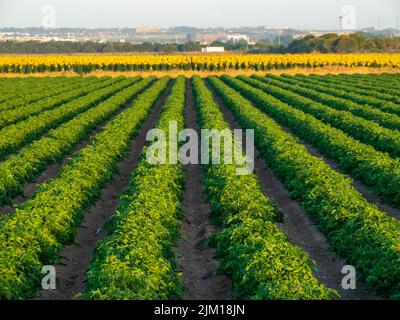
85	63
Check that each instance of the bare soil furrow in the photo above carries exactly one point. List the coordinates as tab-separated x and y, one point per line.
357	184
53	169
196	259
300	229
75	259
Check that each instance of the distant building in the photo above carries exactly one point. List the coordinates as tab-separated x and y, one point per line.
148	29
206	39
239	37
213	49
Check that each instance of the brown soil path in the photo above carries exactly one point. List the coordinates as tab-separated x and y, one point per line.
300	228
357	184
49	173
197	261
53	169
76	258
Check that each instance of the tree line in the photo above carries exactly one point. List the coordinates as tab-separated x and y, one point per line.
355	42
328	43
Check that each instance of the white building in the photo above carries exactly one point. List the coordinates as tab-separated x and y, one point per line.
238	37
213	49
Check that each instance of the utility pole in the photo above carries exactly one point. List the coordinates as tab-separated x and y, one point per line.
341	25
397	26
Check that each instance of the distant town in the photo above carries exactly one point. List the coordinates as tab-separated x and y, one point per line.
178	35
251	40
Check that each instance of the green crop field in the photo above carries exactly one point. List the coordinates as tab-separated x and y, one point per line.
78	193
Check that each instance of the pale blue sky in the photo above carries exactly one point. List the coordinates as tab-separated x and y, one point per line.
322	14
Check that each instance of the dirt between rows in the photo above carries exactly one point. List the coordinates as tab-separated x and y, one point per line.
366	192
49	173
76	258
300	229
53	169
196	260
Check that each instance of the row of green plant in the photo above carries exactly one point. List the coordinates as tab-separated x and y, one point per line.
12	88
15	115
258	256
383	139
135	261
17	135
34	234
388	85
385	106
376	169
14	83
29	95
357	230
27	164
16	86
387	120
340	84
377	82
383	91
380	78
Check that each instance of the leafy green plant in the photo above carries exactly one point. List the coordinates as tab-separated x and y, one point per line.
15	136
369	132
356	229
384	90
388	120
386	106
374	168
20	91
17	113
34	158
361	84
262	262
135	260
34	234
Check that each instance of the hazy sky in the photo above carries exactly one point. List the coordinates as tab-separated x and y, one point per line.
322	14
